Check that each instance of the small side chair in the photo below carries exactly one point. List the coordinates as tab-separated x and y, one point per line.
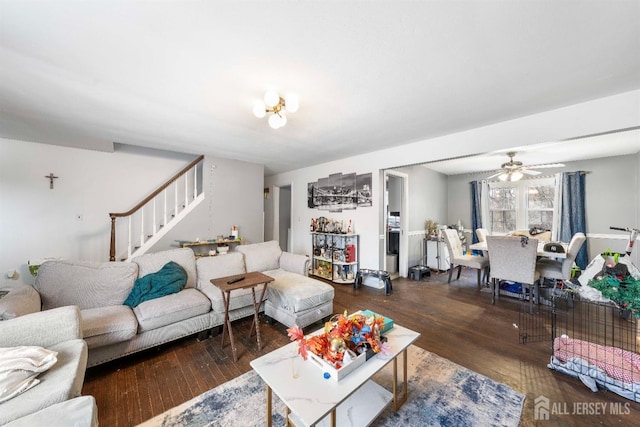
459	260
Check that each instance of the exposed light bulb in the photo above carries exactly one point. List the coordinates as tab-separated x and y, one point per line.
271	98
259	109
516	176
274	121
291	103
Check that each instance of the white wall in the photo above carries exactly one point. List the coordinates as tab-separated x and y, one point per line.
601	115
394	187
36	222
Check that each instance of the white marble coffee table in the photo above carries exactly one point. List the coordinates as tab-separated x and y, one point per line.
355	400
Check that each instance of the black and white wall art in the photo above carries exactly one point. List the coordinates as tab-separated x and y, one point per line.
339	192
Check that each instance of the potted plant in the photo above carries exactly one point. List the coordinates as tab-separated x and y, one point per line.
431	227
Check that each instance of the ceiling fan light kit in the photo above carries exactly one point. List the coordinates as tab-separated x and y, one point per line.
511	176
278	107
513	170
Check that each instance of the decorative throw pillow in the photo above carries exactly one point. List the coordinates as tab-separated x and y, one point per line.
170	279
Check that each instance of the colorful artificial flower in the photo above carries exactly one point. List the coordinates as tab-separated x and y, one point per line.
295	333
342	332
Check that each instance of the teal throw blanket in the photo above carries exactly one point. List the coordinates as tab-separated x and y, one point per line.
168	280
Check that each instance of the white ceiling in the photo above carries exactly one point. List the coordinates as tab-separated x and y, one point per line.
182	75
593	147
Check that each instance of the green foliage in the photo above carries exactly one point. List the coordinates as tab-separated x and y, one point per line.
624	292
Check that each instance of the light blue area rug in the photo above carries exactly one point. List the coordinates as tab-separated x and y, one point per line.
441	393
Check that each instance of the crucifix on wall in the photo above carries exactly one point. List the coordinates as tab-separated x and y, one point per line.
51	177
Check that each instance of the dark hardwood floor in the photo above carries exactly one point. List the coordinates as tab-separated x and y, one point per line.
457	321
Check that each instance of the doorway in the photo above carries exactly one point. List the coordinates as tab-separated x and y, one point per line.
282	216
396	211
285	218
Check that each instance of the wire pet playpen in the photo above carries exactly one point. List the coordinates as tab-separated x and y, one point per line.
595	342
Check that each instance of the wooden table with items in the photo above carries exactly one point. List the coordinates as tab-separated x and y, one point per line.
242	281
209	247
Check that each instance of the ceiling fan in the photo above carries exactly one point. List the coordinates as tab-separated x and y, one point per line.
514	170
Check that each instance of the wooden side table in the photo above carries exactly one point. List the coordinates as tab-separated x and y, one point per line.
230	283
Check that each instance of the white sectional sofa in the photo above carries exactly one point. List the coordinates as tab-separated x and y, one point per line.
82	312
112	330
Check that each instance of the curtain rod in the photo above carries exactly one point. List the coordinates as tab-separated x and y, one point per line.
534	177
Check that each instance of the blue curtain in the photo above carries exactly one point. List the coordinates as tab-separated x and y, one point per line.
572	218
476	211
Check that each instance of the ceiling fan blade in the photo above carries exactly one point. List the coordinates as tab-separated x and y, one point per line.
547	165
530	172
495	175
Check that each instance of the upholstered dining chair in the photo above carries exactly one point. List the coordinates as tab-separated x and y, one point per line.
482	234
459	260
561	269
513	259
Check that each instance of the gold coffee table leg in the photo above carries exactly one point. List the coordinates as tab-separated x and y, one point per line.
268	406
396	402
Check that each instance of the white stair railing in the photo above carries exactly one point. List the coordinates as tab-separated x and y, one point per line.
144	226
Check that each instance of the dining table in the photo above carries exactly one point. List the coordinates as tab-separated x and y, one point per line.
482	246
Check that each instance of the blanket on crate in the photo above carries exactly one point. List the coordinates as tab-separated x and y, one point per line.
619	364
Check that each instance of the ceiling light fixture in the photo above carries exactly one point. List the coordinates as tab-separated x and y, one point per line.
511	176
278	107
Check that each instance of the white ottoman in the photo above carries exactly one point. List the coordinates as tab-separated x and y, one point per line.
298	300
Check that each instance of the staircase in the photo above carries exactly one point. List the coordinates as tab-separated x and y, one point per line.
145	224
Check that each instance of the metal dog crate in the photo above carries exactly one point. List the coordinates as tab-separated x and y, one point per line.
565	313
596	342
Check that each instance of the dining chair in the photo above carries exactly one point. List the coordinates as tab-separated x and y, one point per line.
561	269
514	259
458	259
482	234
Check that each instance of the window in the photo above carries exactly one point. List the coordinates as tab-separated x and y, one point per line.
540	202
521	205
503	208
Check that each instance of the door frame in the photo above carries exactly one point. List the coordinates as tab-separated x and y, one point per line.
403	258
